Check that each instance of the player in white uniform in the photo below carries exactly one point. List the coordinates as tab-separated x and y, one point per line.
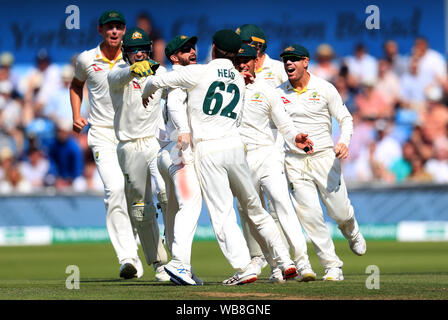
273	73
215	97
311	102
261	106
135	127
92	67
177	168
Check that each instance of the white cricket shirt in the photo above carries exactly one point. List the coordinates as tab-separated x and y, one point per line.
261	105
132	120
215	97
93	68
311	111
272	71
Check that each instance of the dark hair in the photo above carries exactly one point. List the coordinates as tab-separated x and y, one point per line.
224	54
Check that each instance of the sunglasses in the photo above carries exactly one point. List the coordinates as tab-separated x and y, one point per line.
136	50
292	58
186	49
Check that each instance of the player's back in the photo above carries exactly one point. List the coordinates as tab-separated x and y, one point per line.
215	102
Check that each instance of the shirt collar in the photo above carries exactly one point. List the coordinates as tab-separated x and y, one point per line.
99	56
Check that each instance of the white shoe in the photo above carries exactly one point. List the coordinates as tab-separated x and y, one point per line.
161	275
306	274
358	244
289	271
259	263
333	274
179	275
131	268
276	276
247	276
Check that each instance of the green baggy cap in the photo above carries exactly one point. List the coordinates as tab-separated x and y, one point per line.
295	50
111	15
227	40
178	42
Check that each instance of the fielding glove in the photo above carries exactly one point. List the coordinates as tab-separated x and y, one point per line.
144	68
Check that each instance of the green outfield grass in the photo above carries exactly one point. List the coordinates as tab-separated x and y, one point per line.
407	271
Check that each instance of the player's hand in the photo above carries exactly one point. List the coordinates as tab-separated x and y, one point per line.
79	124
144	68
303	142
248	77
183	141
341	150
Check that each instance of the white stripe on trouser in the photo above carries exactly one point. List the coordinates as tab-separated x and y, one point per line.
134	158
103	143
267	169
184	206
222	170
312	176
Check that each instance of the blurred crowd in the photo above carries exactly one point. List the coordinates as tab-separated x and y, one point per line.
398	102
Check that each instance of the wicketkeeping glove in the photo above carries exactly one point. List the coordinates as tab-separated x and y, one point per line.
144	68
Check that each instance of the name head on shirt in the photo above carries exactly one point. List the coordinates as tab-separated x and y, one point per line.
226	73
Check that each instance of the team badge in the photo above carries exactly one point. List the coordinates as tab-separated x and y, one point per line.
97	154
256	98
238	31
315	96
136	35
290	48
241	50
113	15
183	37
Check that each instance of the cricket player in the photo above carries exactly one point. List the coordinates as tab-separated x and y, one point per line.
261	106
177	169
311	102
272	72
92	67
135	128
215	97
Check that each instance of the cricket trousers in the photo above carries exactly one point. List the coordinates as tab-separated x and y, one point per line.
135	157
184	205
223	172
317	175
103	143
268	173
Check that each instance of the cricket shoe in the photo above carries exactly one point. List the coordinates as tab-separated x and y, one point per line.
247	276
161	275
351	232
289	271
259	263
179	275
276	276
131	268
306	274
333	274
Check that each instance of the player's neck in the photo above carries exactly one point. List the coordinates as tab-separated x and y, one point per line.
260	61
111	53
301	83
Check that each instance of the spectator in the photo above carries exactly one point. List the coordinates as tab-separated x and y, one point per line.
413	84
398	62
346	94
371	103
13	182
388	83
362	66
35	168
6	161
402	167
438	166
66	158
11	115
418	173
90	180
144	22
430	62
325	67
43	81
6	62
58	106
387	150
434	120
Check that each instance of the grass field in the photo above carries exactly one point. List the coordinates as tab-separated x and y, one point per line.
407	271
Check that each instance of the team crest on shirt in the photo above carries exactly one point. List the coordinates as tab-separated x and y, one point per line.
256	98
97	154
136	35
269	76
314	96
